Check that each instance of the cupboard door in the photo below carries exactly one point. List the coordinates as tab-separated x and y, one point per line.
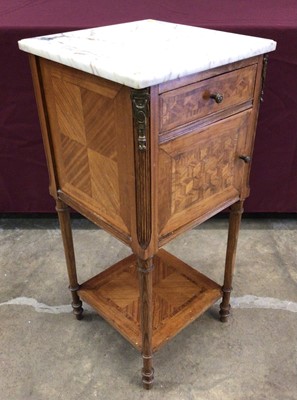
200	173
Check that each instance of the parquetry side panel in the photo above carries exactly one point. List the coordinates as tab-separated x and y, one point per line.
89	141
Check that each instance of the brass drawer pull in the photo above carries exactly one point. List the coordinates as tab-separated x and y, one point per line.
218	98
246	159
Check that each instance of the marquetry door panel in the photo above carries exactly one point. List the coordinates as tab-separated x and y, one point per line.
89	136
201	171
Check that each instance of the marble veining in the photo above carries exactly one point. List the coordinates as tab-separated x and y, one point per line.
144	53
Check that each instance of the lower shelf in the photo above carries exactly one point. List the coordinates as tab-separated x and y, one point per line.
180	294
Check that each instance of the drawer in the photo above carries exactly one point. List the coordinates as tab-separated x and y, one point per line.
189	103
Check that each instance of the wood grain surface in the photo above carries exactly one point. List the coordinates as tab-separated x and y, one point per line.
191	102
92	146
180	294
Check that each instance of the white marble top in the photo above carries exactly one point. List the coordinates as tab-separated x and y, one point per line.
144	53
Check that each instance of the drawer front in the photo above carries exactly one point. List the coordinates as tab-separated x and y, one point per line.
201	171
186	104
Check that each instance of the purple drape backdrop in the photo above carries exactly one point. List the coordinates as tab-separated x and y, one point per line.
23	173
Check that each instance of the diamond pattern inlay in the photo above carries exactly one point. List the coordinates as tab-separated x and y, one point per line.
171	290
87	140
180	293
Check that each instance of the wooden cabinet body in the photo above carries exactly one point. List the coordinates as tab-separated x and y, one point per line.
190	168
146	165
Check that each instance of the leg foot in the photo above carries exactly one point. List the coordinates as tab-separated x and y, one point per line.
147	379
224	312
147	372
224	318
76	303
225	306
77	309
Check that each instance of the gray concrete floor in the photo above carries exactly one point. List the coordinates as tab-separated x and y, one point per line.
46	354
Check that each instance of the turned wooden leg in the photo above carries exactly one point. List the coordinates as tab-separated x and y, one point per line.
145	268
236	211
65	225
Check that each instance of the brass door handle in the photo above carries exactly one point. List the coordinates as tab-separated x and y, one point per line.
246	159
218	97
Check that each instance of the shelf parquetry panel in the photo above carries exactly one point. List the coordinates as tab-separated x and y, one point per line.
180	294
